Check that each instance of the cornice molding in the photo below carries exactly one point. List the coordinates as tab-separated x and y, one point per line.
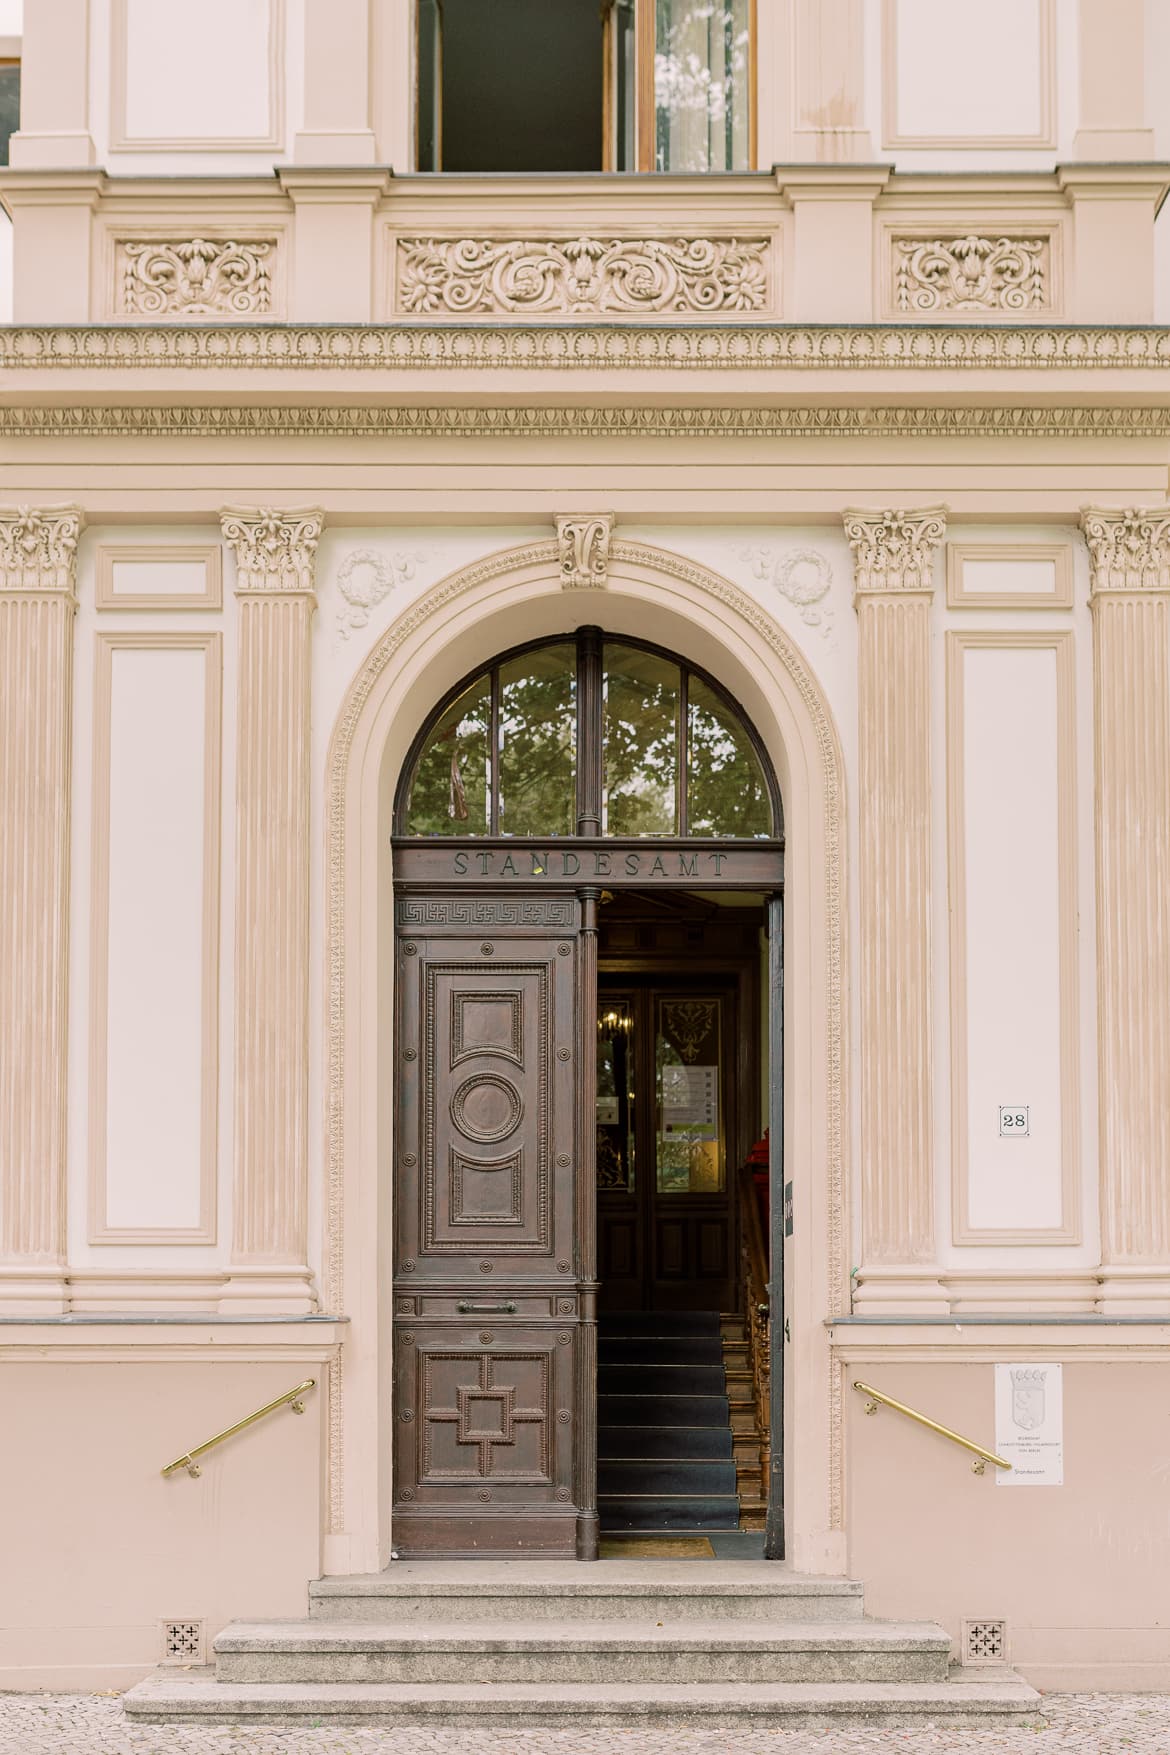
893	551
1129	550
563	346
526	420
38	548
274	549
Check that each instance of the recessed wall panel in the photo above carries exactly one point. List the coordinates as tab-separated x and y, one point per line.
191	74
155	906
1013	912
958	74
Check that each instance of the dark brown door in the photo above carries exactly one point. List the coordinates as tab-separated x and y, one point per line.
495	1342
670	1078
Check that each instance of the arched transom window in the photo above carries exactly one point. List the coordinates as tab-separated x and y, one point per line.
588	736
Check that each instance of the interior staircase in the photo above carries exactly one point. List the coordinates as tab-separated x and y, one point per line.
665	1453
734	1645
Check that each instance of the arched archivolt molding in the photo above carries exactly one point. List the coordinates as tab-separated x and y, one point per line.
720	613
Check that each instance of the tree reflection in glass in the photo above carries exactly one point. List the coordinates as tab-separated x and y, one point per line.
538	733
450	791
640	751
726	790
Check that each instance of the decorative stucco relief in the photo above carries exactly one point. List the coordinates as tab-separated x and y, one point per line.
586	347
365	577
196	277
1130	550
274	547
894	551
972	273
458	276
802	575
583	546
38	550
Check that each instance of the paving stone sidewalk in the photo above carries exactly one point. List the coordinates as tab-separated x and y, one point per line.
86	1724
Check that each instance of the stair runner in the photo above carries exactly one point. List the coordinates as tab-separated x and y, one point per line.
664	1441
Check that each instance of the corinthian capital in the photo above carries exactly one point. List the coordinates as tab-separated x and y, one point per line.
894	551
274	548
1130	550
38	548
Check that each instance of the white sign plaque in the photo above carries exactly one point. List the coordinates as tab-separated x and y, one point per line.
1029	1425
1013	1121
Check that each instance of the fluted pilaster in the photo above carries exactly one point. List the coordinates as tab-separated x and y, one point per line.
274	586
1130	597
894	562
38	555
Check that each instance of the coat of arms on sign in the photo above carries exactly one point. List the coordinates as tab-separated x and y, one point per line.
1028	1399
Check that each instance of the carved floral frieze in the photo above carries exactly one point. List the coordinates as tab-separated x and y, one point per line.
194	277
972	273
620	276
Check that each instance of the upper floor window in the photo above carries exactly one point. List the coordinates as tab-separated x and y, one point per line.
574	85
584	737
9	104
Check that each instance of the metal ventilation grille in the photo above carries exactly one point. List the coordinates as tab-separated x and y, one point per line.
182	1642
984	1642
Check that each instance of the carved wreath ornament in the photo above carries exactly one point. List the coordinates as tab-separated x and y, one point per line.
196	278
619	275
971	274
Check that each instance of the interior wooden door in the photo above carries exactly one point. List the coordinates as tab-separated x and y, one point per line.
495	1337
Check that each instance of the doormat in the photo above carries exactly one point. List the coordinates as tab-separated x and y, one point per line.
655	1548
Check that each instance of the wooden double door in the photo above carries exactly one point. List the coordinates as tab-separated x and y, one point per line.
523	1120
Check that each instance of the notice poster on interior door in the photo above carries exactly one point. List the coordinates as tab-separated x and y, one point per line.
690	1099
1029	1425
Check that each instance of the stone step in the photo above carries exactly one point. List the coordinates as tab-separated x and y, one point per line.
662	1476
616	1442
650	1590
581	1651
669	1511
677	1381
197	1697
659	1350
657	1322
663	1410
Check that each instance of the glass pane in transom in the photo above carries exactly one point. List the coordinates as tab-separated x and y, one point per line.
640	751
450	790
727	794
538	742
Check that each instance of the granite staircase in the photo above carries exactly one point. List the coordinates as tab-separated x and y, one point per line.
732	1645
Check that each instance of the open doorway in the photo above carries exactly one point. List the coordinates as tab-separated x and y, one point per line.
683	1095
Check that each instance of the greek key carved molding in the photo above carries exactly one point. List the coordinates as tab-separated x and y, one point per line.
894	551
1130	550
972	273
95	420
459	276
196	277
274	549
583	545
738	347
38	548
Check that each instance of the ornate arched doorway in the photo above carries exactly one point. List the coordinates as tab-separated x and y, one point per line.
510	596
588	864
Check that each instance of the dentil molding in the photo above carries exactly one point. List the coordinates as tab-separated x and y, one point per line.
583	549
38	548
894	551
195	277
1130	550
972	273
628	276
274	549
609	346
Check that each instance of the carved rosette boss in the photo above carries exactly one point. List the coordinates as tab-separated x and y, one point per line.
38	560
1130	596
894	556
275	552
583	544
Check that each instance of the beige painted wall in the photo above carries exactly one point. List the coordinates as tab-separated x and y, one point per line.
99	1548
1078	1572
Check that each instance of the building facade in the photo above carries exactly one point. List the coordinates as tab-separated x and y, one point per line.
501	534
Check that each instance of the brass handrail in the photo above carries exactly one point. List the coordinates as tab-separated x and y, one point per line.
291	1396
982	1457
